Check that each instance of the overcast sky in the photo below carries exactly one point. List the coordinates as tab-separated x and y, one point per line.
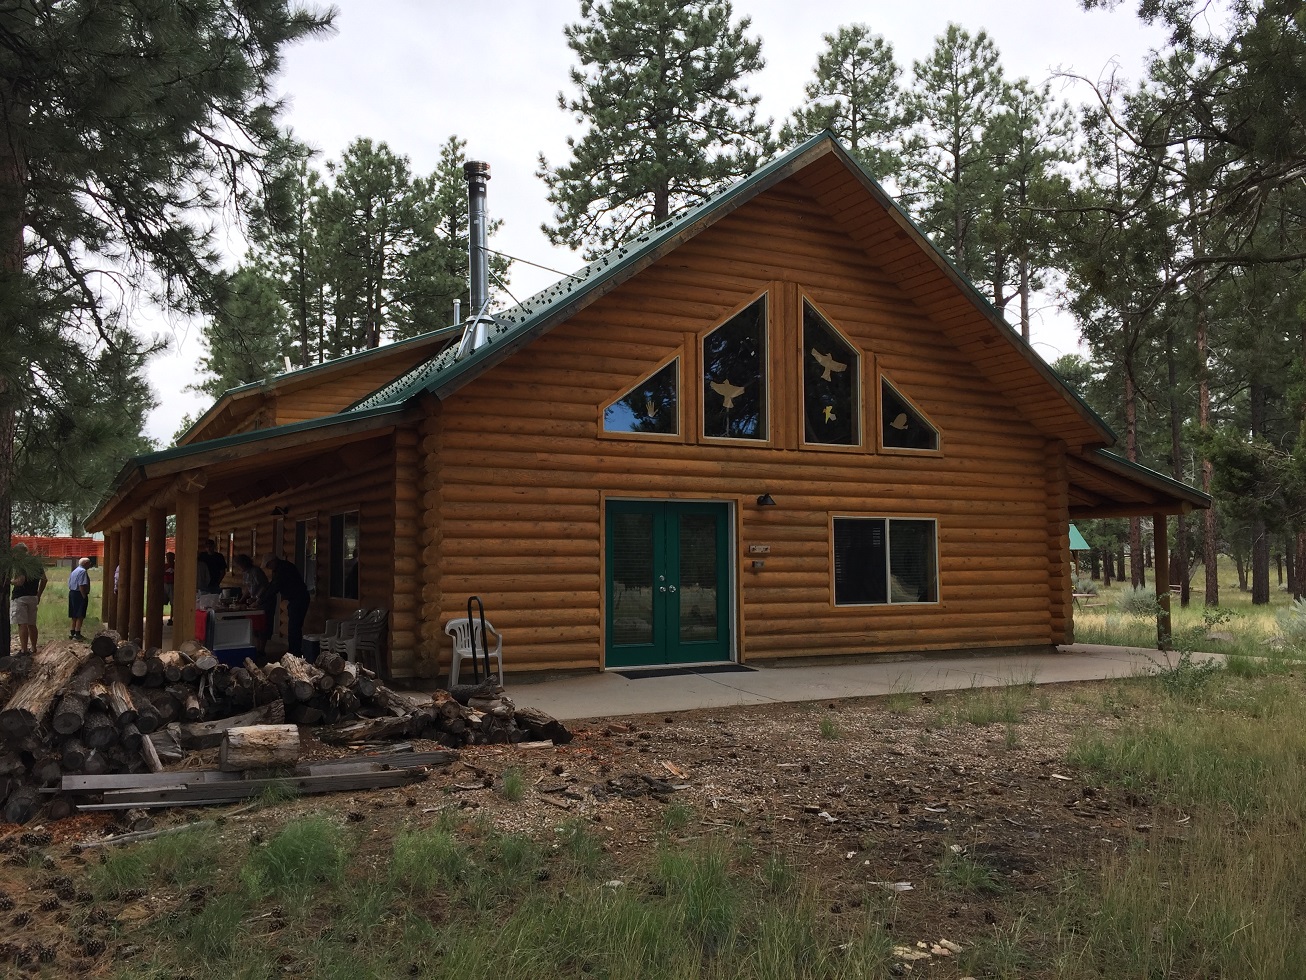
412	73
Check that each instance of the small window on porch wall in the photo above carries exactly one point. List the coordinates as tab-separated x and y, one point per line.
902	426
344	555
831	368
652	407
734	376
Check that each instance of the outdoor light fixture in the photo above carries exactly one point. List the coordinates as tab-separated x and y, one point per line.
280	511
765	501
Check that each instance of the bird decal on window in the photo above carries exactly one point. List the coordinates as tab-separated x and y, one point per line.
650	408
828	362
900	423
727	391
829	413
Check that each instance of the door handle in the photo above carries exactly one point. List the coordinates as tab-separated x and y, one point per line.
672	588
663	588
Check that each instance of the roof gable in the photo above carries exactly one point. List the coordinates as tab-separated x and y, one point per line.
871	218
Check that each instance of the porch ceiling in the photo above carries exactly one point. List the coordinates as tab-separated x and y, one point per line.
244	473
1104	485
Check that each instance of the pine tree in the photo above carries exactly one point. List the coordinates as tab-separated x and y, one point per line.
950	173
124	126
856	96
669	120
246	338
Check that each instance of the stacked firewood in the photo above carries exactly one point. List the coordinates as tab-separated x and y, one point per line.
78	710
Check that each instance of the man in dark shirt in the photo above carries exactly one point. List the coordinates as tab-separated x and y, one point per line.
216	563
284	581
28	583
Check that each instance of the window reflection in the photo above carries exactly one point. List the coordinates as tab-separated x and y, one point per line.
651	407
830	377
901	426
734	376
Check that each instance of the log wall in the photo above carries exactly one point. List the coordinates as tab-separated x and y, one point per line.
516	472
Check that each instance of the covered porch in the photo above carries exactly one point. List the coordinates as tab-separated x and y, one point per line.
326	495
1103	485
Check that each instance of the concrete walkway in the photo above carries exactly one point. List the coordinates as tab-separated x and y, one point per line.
612	694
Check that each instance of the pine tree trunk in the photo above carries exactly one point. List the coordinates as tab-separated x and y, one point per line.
1024	297
1106	568
1137	578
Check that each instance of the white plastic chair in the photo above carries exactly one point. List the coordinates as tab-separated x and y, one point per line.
365	639
466	635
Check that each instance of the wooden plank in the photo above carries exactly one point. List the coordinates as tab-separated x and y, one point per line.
243	788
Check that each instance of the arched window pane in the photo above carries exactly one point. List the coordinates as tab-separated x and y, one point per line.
830	372
901	426
734	376
651	407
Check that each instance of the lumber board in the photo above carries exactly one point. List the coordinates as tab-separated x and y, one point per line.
242	788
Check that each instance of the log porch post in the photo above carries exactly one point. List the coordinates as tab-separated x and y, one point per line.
108	603
123	600
184	579
135	585
158	538
1161	579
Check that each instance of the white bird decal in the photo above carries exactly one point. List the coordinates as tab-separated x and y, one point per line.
828	362
727	391
900	422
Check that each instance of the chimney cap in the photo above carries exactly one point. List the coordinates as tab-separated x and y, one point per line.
476	168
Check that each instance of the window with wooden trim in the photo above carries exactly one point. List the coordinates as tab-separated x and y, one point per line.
902	425
831	396
734	376
652	407
885	560
344	555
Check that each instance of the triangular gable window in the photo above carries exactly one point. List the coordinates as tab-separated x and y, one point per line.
734	376
831	396
902	425
651	407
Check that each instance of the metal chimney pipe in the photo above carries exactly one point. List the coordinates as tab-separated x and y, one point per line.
478	264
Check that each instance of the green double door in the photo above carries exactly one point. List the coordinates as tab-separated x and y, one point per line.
668	588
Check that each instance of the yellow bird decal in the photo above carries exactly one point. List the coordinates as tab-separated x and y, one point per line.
828	362
727	391
900	422
829	413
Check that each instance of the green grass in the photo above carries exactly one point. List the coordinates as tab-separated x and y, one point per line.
182	859
306	852
513	785
830	729
1220	897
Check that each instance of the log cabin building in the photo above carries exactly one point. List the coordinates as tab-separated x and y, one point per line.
779	425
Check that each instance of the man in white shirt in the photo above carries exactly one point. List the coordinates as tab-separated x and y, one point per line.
79	598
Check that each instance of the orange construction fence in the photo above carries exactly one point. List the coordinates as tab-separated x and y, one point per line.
51	547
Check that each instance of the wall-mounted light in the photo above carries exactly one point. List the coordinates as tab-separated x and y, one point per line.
280	511
765	501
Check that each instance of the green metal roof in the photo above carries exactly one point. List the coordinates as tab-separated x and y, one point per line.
1077	542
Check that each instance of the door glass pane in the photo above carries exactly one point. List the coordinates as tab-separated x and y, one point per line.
632	578
698	577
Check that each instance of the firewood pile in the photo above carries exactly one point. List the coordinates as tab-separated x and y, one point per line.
113	707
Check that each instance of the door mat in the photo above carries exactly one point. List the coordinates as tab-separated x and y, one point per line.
637	675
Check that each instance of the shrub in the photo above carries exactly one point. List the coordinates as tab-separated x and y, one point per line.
1291	623
1082	584
1137	601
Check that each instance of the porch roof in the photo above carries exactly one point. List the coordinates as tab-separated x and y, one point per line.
1103	484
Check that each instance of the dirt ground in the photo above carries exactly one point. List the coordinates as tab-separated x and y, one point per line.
863	795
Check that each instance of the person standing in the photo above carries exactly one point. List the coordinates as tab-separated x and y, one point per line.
284	581
79	598
216	564
28	584
169	575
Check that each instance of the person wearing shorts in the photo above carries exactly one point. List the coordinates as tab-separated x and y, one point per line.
28	584
79	598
